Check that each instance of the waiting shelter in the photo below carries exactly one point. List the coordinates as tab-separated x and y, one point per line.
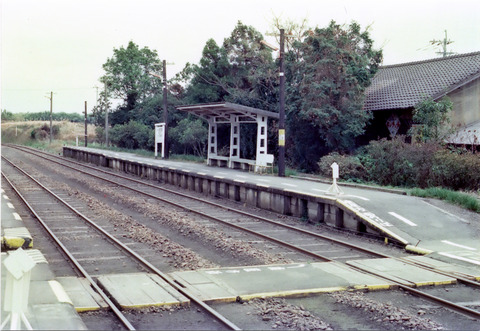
234	114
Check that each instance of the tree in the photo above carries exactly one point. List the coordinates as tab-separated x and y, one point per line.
433	119
328	74
239	71
189	136
127	77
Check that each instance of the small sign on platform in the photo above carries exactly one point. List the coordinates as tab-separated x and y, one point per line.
160	138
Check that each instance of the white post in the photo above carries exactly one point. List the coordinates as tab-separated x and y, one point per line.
19	266
234	140
334	189
212	139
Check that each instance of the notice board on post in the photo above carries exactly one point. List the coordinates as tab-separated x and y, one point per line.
160	139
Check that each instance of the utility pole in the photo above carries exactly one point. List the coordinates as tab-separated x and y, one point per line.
106	116
85	124
96	102
281	121
51	110
165	110
165	103
443	43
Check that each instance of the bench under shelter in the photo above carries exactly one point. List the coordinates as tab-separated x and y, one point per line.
234	114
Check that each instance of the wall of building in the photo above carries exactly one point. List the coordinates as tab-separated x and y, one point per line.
466	104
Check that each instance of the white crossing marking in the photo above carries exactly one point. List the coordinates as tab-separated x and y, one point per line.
446	212
355	196
403	219
17	217
10	205
6	197
459	258
458	245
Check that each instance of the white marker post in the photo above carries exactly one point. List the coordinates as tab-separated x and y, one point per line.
334	189
19	266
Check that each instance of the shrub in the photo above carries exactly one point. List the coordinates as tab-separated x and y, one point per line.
133	135
43	132
456	170
350	167
395	162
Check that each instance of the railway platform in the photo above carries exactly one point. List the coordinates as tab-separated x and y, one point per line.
417	224
49	306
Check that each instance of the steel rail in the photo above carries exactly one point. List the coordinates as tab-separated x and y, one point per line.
280	242
464	310
144	262
241	212
65	250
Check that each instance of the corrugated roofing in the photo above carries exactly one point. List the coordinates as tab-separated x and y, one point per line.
404	85
223	111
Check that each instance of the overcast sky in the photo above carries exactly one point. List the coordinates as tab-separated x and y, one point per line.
60	45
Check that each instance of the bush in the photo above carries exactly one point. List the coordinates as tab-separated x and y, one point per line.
395	162
43	132
133	135
456	170
350	167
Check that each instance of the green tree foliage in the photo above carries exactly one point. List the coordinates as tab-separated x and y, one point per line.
42	116
326	91
189	137
398	163
127	77
240	71
7	116
433	119
133	135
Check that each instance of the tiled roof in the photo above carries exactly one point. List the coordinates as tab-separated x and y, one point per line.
404	85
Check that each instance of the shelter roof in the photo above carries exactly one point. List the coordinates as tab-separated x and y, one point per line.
402	86
221	111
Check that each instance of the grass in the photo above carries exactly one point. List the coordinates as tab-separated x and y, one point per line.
462	199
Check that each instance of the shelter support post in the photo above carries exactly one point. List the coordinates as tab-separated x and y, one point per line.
212	139
234	140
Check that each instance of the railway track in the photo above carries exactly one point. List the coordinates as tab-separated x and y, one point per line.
56	214
243	221
304	241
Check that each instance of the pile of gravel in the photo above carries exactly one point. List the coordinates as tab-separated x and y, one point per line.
285	316
386	312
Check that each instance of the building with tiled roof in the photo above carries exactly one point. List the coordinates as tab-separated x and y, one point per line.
396	89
